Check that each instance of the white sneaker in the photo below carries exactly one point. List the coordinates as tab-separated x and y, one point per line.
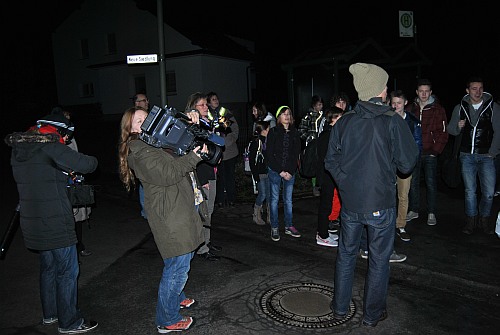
397	258
431	219
411	215
328	242
363	253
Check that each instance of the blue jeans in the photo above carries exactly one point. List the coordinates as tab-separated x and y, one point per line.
428	164
141	201
264	190
380	229
171	289
275	182
474	166
59	286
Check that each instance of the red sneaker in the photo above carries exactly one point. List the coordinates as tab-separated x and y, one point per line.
184	324
186	303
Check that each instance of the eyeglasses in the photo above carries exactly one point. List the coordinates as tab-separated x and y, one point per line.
201	105
143	100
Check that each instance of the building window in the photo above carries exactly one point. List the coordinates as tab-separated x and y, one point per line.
111	44
86	90
84	48
171	83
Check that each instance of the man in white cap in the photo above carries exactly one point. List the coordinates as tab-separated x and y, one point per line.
367	146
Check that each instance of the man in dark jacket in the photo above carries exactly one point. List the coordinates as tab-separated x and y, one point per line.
40	164
367	146
477	118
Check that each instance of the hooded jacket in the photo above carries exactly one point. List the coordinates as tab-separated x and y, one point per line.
168	197
366	148
38	165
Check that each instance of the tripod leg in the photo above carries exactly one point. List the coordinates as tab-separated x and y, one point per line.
10	232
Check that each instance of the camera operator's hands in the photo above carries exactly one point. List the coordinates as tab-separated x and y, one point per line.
194	116
199	150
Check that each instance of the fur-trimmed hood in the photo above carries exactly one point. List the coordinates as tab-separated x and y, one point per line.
25	145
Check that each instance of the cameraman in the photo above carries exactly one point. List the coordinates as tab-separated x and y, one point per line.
171	199
227	127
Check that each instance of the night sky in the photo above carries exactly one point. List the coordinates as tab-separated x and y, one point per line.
460	41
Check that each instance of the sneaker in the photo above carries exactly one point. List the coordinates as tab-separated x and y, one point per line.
184	324
333	226
403	235
374	324
363	253
86	326
316	191
397	258
49	321
292	231
330	241
275	234
188	302
411	215
431	219
85	253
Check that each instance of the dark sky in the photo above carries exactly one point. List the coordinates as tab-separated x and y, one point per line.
459	40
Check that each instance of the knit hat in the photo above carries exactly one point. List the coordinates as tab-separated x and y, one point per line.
369	80
281	110
63	125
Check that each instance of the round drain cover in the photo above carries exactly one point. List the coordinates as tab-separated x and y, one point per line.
305	305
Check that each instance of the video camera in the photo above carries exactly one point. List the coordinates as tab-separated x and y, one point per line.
169	128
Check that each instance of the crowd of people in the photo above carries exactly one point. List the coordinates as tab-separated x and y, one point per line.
401	139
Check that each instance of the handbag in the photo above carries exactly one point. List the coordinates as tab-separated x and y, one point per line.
80	194
451	172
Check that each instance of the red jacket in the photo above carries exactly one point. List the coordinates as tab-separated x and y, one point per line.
433	121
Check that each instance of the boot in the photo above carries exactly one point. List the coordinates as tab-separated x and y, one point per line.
257	215
268	212
486	226
470	225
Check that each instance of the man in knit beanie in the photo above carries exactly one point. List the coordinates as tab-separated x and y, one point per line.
369	80
366	148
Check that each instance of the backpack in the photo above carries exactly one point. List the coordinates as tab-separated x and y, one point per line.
308	160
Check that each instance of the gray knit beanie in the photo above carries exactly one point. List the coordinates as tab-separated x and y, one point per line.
369	80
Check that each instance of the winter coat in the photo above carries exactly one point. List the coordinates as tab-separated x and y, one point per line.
366	148
433	121
256	157
283	149
230	135
168	197
38	162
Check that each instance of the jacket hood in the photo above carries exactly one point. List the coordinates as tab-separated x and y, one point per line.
372	108
25	145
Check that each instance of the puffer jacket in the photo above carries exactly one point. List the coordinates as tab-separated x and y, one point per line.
366	148
168	197
46	214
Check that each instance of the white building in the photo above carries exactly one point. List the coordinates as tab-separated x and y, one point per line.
90	51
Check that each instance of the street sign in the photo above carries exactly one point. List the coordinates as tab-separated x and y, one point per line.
405	23
141	59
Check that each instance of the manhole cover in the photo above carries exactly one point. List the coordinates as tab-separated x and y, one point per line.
304	305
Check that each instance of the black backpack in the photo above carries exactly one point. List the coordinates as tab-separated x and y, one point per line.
308	161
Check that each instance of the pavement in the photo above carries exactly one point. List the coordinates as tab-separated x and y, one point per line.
450	283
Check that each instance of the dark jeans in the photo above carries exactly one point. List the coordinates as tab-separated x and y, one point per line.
380	228
226	181
428	164
59	286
